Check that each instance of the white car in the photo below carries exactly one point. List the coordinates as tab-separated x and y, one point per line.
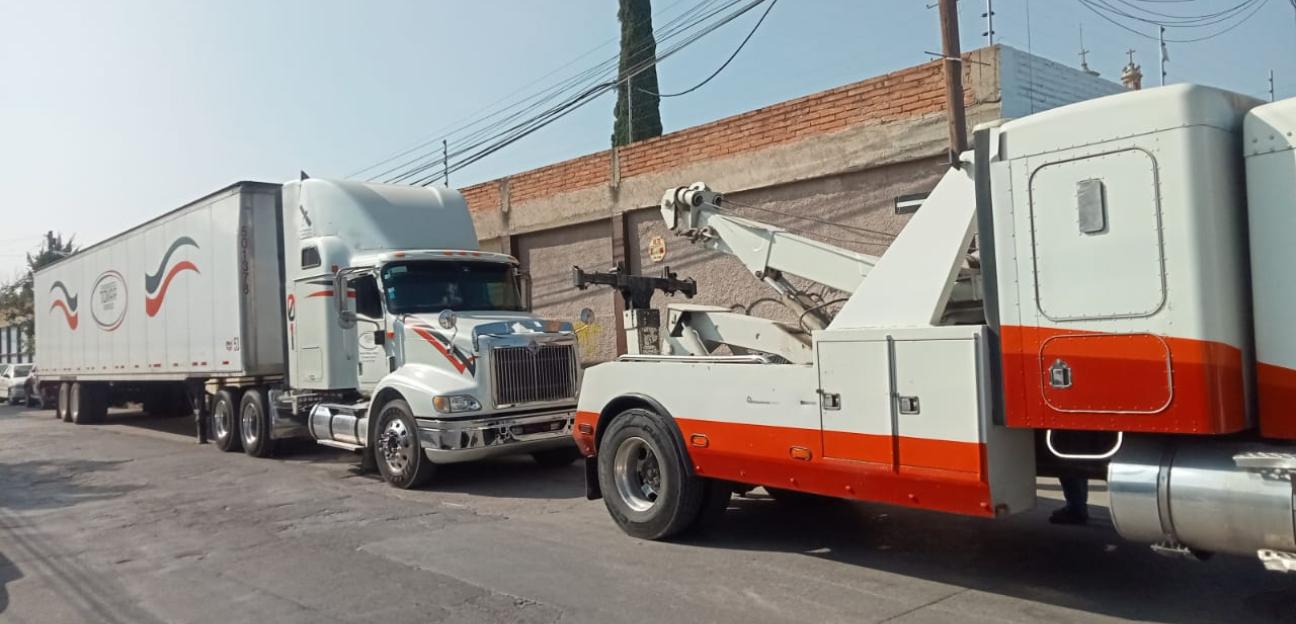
13	382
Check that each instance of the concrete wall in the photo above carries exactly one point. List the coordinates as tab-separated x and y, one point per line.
549	255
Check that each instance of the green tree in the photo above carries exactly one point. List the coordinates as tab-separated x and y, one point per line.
638	114
17	298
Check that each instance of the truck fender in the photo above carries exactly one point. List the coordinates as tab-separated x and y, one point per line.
609	412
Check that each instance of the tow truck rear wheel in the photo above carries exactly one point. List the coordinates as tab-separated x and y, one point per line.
224	419
254	424
400	456
646	485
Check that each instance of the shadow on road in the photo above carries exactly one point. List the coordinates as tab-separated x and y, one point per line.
9	572
1087	568
46	484
510	477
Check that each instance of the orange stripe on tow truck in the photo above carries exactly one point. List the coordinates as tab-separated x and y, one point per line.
933	474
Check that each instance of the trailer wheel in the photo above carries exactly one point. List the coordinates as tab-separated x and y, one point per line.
89	403
224	422
62	407
254	424
556	458
400	456
646	485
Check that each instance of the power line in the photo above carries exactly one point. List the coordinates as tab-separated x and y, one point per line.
525	127
727	61
489	123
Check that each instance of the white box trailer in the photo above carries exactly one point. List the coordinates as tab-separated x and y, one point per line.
194	293
363	315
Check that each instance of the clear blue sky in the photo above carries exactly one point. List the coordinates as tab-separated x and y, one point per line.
113	112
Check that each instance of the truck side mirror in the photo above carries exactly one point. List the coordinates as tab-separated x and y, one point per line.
524	280
346	319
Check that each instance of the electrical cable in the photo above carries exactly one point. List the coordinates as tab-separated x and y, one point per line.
727	61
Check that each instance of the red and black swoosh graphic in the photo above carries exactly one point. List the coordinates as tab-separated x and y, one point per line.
67	303
157	283
462	362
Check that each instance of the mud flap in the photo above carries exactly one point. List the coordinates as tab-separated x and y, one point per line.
592	491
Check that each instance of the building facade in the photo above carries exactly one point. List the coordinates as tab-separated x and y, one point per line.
13	345
836	165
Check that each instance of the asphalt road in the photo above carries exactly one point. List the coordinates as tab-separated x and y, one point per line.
131	521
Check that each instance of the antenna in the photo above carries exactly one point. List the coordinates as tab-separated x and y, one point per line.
1271	86
445	162
989	17
1084	55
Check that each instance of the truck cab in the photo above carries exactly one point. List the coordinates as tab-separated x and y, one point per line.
408	342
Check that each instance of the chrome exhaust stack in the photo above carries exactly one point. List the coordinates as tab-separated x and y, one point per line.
1201	498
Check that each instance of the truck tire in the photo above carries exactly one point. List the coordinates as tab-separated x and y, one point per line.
224	419
396	446
254	424
556	458
89	403
646	485
63	407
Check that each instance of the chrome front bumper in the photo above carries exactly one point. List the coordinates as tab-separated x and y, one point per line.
452	441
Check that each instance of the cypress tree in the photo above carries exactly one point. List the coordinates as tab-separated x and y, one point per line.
638	46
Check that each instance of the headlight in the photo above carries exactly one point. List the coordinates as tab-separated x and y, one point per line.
448	404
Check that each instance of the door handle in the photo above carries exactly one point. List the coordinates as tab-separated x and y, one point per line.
908	404
830	401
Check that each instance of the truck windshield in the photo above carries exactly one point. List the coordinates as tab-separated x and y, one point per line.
433	285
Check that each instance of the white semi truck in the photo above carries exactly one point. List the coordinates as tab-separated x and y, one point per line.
1103	288
363	315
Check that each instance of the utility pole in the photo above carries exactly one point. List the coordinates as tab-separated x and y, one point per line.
445	162
1165	54
953	61
1271	86
989	17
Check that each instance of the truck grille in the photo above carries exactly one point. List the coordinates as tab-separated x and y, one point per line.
534	374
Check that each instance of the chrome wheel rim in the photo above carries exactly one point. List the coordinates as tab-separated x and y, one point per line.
221	419
249	421
637	474
397	446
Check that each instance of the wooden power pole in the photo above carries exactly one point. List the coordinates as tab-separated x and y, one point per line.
953	60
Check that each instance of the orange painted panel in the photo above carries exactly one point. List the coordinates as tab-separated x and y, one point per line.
1208	394
1127	373
1277	390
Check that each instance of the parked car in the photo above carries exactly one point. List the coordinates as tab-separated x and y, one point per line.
38	394
13	382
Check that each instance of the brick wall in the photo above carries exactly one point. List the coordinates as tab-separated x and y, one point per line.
910	93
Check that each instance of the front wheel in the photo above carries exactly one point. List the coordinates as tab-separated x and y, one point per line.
396	447
646	485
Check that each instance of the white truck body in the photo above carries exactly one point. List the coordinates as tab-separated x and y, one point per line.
312	308
184	295
1076	295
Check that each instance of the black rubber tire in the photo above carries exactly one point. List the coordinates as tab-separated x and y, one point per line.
418	469
254	418
229	441
63	406
556	458
89	403
680	496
